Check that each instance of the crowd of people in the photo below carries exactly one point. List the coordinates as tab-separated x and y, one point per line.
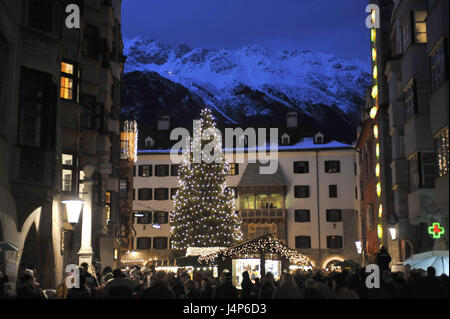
147	283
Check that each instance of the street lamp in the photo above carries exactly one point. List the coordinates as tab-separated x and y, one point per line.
358	246
73	208
393	233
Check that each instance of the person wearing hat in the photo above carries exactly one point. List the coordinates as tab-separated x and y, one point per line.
226	290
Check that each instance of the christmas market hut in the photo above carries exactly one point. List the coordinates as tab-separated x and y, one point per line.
257	256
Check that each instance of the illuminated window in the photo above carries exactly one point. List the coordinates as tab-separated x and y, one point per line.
145	170
442	148
420	26
69	82
234	169
332	167
69	173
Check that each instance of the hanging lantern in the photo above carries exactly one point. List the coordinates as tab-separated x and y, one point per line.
375	72
373	33
374	54
375	91
380	231
375	131
377	170
377	150
373	112
379	189
380	211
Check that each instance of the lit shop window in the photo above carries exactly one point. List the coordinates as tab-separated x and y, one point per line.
442	147
234	169
68	89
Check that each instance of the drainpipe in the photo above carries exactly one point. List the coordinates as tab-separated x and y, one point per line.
318	206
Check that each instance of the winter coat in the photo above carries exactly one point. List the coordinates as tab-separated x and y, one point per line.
158	291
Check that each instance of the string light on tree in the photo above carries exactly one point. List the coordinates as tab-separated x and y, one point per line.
204	208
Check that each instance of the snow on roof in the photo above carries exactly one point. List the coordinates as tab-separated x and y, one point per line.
305	144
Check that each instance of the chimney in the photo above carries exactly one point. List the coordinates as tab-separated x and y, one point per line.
163	123
291	120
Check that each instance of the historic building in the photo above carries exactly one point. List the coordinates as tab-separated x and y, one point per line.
308	203
59	135
408	112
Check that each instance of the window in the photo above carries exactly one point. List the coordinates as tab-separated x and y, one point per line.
123	189
438	63
40	15
145	193
69	173
144	243
91	42
173	192
92	116
162	170
334	215
302	242
406	34
69	82
301	167
285	139
421	170
36	127
410	98
145	170
301	191
420	30
302	215
161	193
134	194
234	169
134	170
160	242
146	219
174	169
332	191
160	218
356	192
334	242
332	167
442	146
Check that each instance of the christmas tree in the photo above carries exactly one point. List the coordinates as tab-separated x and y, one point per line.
204	214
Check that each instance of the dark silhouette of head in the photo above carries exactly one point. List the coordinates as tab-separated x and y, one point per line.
245	275
431	271
117	273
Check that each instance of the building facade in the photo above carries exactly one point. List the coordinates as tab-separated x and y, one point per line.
410	109
59	136
309	203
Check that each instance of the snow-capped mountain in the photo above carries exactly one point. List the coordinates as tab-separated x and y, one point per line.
253	81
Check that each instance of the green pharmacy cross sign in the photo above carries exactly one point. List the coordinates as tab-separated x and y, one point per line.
436	230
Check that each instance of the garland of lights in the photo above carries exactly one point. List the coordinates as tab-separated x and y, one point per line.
268	244
130	134
373	114
204	208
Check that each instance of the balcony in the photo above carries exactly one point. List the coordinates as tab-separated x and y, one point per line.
399	171
396	113
263	213
417	134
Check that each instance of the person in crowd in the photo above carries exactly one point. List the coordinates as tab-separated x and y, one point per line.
383	259
83	292
288	288
226	290
248	288
205	290
178	287
190	290
3	282
342	291
119	287
159	287
28	288
91	281
267	289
